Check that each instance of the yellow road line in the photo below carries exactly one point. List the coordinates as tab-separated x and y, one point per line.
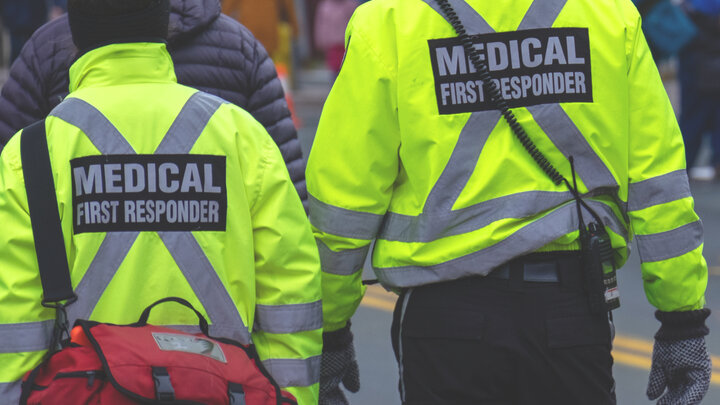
380	292
634	344
631	359
378	303
627	350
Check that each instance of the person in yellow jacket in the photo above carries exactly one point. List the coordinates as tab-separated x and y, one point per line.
162	191
506	275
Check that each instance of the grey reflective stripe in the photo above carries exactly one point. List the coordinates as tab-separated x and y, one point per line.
25	337
566	136
531	237
294	372
428	227
190	123
541	14
401	357
471	20
205	282
215	330
108	259
462	162
343	222
658	190
183	246
666	245
290	318
10	393
343	263
102	133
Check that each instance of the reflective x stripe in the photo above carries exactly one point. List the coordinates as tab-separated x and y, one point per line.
10	393
658	190
289	318
343	263
205	282
558	126
438	220
528	239
343	222
190	123
102	133
294	372
115	246
674	243
25	337
193	262
462	161
541	14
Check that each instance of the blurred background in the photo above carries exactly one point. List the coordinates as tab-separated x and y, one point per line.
305	39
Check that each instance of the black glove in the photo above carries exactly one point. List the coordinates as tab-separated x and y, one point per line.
681	366
338	365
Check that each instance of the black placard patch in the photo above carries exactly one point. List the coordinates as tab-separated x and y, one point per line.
529	67
115	193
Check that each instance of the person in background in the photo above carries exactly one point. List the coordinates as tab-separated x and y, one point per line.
21	18
57	8
331	20
699	77
212	52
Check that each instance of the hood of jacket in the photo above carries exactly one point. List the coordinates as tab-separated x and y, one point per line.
188	17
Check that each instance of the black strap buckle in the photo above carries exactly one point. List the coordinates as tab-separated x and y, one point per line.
164	391
61	328
236	393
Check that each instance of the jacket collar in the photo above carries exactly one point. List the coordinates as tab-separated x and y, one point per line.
121	64
187	17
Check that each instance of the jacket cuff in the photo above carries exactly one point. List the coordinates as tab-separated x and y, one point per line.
337	340
682	325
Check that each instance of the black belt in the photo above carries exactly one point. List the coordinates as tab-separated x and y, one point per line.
538	267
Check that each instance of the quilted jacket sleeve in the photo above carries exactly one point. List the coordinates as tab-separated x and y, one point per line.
21	100
266	102
38	80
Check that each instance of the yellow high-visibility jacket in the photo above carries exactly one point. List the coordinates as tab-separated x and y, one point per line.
410	150
163	191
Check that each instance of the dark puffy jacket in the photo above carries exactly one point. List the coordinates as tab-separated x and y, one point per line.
212	52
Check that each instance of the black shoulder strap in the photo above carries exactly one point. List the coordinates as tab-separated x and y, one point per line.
40	188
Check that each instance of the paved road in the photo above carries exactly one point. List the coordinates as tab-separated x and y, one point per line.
634	320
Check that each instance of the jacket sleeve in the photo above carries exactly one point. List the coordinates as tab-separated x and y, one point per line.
24	324
22	101
661	209
351	171
266	102
288	315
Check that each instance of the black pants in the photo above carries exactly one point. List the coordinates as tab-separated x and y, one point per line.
485	340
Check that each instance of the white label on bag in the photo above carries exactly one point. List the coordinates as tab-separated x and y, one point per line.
189	344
